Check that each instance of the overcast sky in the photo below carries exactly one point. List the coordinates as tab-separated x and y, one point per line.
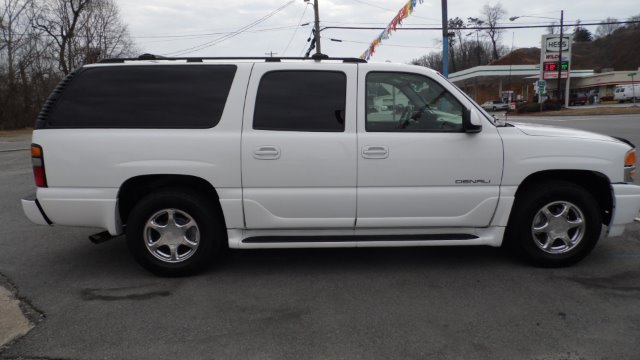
195	27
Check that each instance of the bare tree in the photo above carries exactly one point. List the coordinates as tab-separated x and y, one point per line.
42	40
634	18
491	15
104	34
433	60
605	29
59	19
476	22
13	33
457	24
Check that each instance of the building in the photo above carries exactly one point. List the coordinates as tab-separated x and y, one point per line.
516	73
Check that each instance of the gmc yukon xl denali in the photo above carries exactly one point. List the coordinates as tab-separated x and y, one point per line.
190	156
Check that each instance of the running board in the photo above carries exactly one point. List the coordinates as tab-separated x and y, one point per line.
352	238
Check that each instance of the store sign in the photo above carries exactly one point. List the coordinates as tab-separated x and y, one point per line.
553	75
550	58
553	44
555	56
553	66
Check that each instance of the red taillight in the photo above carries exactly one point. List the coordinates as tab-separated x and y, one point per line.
37	160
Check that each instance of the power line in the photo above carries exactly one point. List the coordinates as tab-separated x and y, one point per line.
383	44
295	31
230	35
305	45
479	27
387	9
286	27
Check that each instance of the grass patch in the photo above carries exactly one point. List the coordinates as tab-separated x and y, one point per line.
13	133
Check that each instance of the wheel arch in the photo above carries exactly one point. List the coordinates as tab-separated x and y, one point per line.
135	188
595	182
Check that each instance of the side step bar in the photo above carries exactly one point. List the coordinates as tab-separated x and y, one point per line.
350	238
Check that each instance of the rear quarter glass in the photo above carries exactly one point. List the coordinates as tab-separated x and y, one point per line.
148	96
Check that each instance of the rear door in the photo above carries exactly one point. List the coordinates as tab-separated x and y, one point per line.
299	146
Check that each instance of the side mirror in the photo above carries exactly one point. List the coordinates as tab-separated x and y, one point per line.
471	121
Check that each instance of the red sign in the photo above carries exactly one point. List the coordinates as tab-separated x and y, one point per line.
553	66
553	75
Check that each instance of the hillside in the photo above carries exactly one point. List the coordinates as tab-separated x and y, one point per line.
620	51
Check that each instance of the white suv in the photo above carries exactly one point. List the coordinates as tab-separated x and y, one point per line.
188	156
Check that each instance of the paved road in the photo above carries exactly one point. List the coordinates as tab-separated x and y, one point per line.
443	303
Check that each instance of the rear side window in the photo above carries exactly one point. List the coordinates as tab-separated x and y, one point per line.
301	101
141	97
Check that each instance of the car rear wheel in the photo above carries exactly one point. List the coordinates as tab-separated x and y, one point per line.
174	233
554	224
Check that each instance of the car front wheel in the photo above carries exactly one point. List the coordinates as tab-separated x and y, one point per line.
554	224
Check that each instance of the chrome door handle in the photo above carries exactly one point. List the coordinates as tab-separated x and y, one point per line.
266	152
375	152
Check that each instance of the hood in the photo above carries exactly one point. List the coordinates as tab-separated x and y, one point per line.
548	130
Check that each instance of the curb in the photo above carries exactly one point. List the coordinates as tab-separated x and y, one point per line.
17	316
13	323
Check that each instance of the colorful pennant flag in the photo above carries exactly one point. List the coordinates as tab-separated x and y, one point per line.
406	10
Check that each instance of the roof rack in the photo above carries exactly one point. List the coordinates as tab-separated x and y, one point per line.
316	57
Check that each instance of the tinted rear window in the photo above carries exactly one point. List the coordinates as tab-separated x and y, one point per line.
301	101
141	97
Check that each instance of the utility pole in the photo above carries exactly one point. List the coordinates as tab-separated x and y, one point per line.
445	40
560	56
317	27
633	87
271	53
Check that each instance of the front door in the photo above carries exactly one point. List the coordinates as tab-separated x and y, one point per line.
416	166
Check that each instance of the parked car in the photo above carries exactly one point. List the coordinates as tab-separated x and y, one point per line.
624	93
187	156
578	99
495	105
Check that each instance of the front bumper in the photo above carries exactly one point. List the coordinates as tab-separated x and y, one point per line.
627	206
34	212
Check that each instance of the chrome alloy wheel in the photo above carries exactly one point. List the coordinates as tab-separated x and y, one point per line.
171	235
558	227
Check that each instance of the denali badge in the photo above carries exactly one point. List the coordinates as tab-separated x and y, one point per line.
479	181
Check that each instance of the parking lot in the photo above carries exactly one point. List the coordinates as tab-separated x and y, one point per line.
93	302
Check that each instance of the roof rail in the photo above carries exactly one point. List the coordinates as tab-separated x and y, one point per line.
315	57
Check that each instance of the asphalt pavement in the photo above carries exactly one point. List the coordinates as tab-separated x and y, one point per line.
93	302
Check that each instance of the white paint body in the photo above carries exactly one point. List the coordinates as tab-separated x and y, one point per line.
626	92
321	183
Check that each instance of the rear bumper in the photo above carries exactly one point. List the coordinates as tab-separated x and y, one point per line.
627	206
88	207
34	212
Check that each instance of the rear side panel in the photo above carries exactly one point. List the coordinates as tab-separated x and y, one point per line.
100	160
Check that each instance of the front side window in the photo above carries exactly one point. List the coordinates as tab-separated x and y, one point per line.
403	102
301	101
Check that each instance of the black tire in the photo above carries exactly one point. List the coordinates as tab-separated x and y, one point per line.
206	237
530	229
